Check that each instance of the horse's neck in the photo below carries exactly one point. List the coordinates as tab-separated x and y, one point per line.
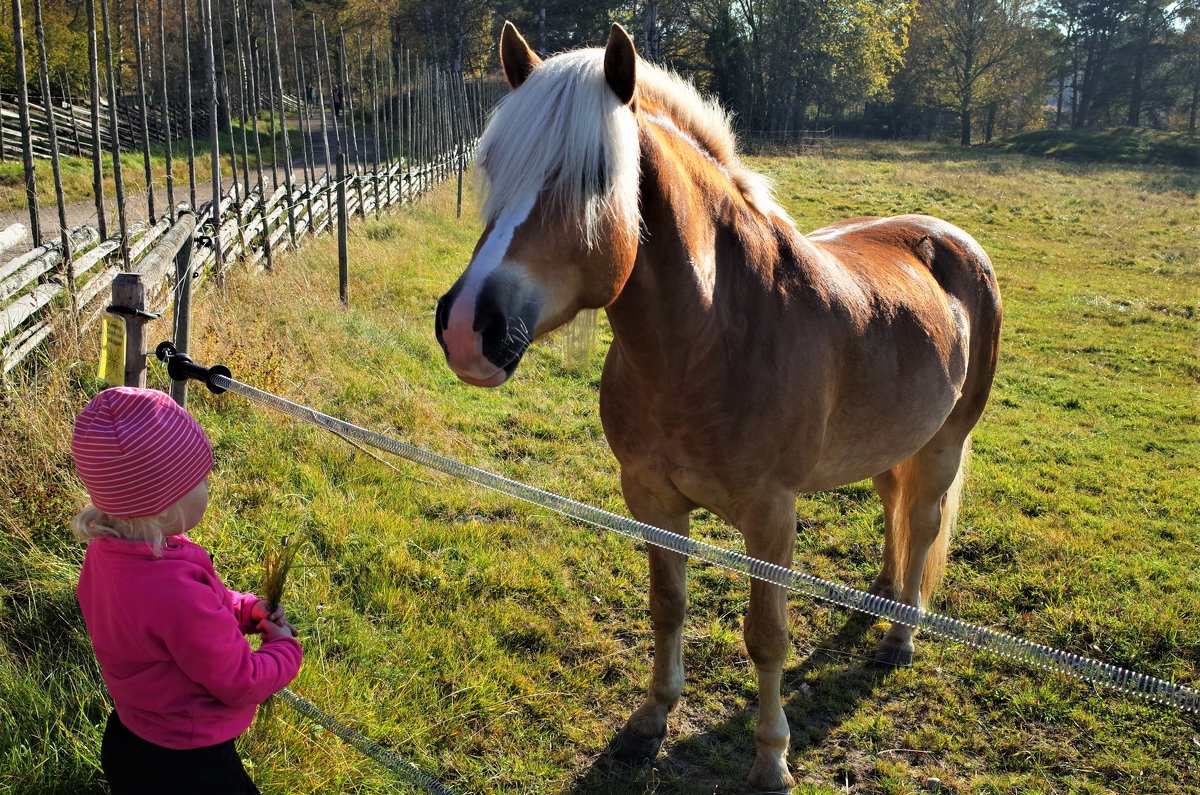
699	247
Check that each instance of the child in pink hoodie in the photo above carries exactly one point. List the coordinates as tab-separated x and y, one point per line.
167	632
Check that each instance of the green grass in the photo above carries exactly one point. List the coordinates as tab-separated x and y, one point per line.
1129	145
499	646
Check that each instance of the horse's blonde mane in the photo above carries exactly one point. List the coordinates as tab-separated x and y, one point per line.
566	133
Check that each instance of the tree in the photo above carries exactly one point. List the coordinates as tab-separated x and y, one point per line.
963	44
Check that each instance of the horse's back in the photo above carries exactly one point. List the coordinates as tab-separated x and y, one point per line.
877	251
892	256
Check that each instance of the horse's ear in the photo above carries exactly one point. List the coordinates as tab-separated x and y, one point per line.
620	63
515	56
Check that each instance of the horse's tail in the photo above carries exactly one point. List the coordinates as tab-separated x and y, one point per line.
935	563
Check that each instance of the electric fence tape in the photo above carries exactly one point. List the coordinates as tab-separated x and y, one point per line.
1180	696
398	765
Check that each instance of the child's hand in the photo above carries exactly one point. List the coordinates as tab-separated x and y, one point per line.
262	609
271	630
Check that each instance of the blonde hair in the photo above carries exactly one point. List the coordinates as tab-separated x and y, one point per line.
91	522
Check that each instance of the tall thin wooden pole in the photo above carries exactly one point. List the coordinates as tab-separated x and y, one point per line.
375	127
242	109
183	312
214	132
94	114
287	143
389	112
166	109
401	122
35	228
3	148
310	155
321	99
410	123
216	25
69	98
188	120
337	130
352	128
48	102
343	232
114	135
256	110
374	158
141	82
310	171
267	72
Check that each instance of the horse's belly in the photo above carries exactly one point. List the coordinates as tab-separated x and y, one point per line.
861	443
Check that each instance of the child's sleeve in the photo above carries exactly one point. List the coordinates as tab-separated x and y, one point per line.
243	604
207	644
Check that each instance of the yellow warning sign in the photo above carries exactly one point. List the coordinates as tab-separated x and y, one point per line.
112	351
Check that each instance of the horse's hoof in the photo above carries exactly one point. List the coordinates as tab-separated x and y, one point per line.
893	654
633	749
771	776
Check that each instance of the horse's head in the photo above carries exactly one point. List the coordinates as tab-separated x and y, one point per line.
559	160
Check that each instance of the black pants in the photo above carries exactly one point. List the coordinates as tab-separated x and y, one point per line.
134	766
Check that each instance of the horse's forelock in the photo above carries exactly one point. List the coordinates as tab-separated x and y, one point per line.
564	135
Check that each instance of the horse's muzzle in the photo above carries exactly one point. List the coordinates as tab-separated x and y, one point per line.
482	341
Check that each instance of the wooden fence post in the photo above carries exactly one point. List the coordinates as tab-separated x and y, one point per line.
183	312
129	300
459	156
343	232
22	79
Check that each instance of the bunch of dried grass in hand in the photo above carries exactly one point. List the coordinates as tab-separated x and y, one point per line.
276	565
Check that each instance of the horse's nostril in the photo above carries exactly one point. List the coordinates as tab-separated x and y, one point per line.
493	328
441	315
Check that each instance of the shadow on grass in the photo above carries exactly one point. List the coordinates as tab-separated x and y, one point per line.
719	759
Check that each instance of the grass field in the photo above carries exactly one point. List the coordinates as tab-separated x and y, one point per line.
499	647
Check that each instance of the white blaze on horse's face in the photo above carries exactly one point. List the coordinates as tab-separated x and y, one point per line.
561	160
459	331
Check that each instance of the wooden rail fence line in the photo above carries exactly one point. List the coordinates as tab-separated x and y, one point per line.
34	298
394	125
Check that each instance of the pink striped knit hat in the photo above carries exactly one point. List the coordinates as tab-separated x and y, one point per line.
138	452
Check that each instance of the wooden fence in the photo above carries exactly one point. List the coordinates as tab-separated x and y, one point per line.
75	131
277	96
39	292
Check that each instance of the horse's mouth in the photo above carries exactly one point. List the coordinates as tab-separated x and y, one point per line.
495	379
501	373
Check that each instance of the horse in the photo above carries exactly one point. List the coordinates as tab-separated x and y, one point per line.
749	363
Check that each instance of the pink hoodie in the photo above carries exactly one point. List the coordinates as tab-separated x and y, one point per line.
168	635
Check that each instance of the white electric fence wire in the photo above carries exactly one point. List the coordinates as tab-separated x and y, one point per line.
1046	657
401	767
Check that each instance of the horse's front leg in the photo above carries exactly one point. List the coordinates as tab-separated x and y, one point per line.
646	728
770	535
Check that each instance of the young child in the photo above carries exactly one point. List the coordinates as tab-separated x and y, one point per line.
167	632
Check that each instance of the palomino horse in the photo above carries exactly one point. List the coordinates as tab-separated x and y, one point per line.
749	362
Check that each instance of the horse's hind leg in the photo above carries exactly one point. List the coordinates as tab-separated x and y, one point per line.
639	741
929	486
